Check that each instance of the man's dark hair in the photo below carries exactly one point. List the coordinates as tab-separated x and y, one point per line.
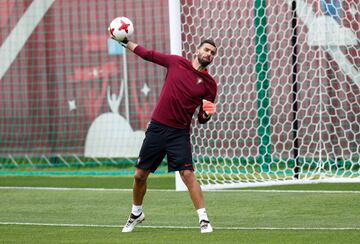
208	41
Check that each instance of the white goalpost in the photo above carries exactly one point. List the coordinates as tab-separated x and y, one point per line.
288	105
175	48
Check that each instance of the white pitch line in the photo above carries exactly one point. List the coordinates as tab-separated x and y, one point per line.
169	190
75	189
290	191
181	227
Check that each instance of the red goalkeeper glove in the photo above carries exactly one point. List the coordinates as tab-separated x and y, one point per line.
208	107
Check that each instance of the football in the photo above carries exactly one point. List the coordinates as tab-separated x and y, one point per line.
120	28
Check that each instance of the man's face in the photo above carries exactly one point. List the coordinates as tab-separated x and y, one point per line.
205	54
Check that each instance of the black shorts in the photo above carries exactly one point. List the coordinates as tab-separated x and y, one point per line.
161	140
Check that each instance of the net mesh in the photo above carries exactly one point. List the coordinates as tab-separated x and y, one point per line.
63	97
288	75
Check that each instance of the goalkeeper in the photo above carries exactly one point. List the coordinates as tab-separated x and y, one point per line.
187	86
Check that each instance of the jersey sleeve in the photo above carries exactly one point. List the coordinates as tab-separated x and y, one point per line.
155	57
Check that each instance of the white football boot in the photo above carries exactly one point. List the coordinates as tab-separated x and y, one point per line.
133	221
205	226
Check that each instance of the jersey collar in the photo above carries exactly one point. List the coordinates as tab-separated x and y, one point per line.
205	71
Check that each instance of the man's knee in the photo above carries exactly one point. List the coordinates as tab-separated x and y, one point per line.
141	176
187	176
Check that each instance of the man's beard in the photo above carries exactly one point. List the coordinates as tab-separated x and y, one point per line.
203	62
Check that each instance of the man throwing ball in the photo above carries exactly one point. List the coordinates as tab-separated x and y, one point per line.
187	86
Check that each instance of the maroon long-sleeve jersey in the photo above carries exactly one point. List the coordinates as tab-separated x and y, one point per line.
183	90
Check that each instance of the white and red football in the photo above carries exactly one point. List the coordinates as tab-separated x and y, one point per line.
120	28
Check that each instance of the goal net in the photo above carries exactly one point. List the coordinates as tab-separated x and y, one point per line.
69	95
288	105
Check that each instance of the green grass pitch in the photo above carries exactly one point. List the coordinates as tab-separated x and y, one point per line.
37	215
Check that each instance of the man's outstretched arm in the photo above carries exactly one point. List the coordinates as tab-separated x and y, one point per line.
149	55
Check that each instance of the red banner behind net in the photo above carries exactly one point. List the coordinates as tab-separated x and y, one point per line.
57	84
